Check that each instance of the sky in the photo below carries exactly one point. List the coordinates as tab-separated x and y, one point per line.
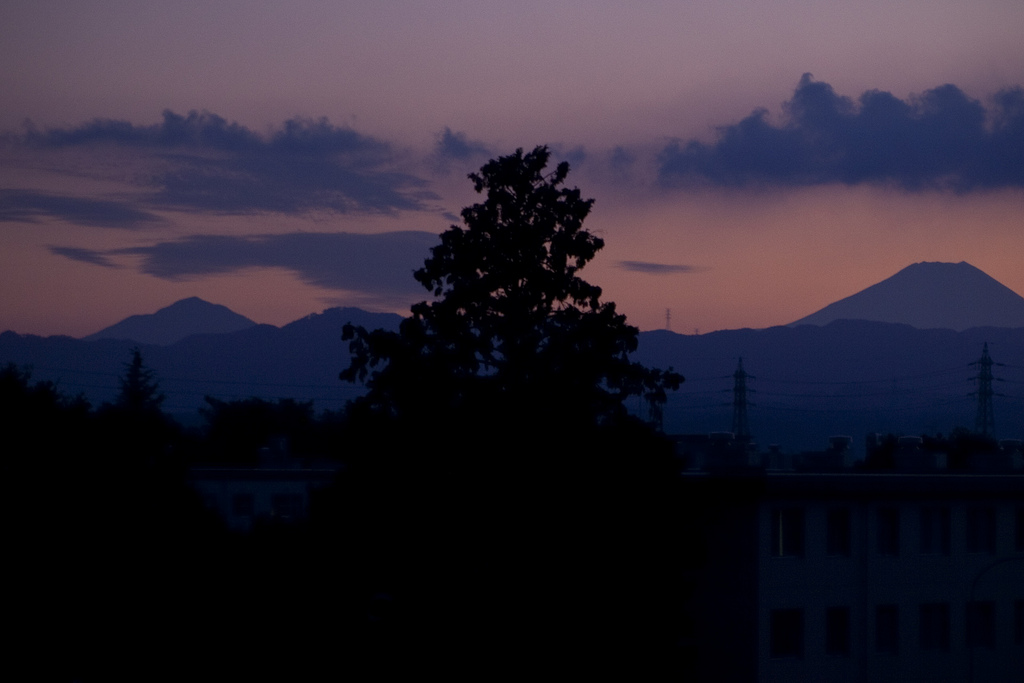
751	162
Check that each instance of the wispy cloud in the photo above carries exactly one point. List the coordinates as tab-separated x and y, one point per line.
28	206
622	160
91	256
454	150
656	268
200	162
378	266
940	139
456	145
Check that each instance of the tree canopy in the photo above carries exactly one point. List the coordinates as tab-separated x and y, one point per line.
513	505
512	326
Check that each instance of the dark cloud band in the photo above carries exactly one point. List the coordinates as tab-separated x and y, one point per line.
379	266
655	268
456	145
28	206
201	162
940	139
90	256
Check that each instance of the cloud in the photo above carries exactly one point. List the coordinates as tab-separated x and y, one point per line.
452	145
656	268
200	162
378	266
455	150
91	256
29	206
622	160
939	139
574	155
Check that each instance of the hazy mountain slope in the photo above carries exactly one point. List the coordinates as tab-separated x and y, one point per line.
300	360
847	377
175	322
810	382
955	296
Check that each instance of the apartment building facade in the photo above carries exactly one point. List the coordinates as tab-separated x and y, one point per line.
860	576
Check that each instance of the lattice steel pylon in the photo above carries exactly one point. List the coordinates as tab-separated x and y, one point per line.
740	425
985	421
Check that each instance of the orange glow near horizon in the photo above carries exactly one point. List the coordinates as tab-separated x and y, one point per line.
770	262
757	261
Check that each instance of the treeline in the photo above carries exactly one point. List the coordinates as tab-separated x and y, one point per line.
447	543
134	430
117	569
443	546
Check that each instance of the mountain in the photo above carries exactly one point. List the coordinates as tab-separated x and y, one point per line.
175	322
953	296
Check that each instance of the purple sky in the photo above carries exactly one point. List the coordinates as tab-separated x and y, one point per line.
283	157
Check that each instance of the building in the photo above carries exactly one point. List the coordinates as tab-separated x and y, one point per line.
843	574
277	490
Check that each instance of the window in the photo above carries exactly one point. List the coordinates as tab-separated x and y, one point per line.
889	531
981	530
837	631
837	540
787	633
981	624
1018	622
788	532
887	629
934	626
935	527
286	506
243	505
1018	532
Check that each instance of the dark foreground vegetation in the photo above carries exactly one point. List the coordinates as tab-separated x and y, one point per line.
472	552
497	511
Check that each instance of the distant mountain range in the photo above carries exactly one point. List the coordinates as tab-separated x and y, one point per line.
820	376
951	296
300	360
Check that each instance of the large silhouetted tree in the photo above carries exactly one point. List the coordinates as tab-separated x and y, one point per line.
513	326
510	501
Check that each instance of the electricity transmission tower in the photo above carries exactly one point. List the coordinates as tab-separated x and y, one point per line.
740	425
985	422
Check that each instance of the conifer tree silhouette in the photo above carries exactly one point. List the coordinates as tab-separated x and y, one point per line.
139	392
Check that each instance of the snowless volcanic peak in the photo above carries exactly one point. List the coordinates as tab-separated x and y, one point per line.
928	295
175	322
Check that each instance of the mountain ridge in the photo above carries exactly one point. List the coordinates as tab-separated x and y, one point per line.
808	382
924	295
